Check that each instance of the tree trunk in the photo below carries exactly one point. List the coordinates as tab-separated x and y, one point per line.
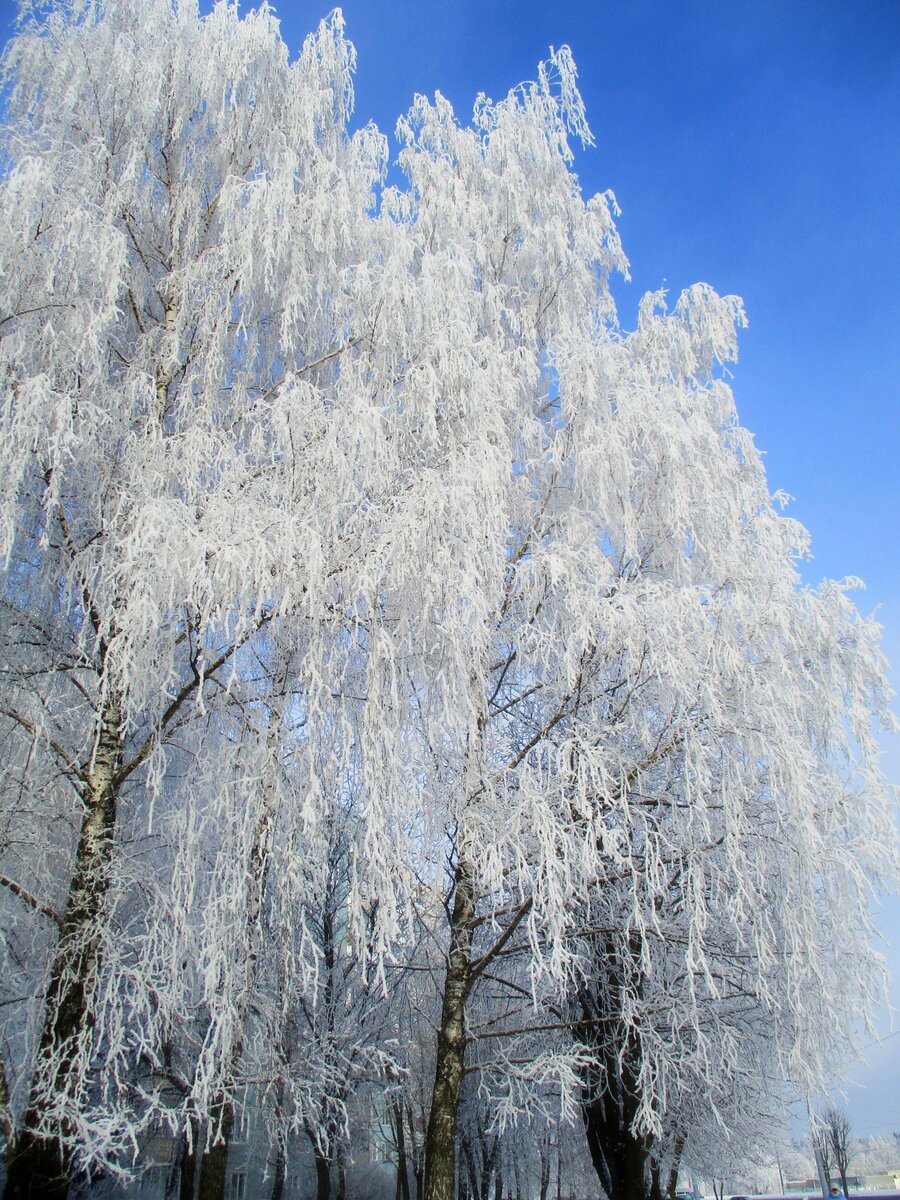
675	1167
545	1171
656	1192
278	1179
491	1166
619	1156
440	1137
38	1166
341	1173
323	1176
468	1176
214	1163
188	1161
419	1174
402	1164
323	1167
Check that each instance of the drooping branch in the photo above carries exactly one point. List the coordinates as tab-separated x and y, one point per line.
188	689
31	900
61	753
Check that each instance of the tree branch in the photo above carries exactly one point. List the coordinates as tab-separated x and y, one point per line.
32	901
184	694
57	749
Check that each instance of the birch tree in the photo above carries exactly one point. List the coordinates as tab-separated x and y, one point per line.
182	211
617	626
539	601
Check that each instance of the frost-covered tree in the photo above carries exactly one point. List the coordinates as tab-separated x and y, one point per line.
833	1134
716	1034
521	572
623	678
182	269
330	1043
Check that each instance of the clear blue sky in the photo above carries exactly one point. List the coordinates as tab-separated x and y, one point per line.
754	145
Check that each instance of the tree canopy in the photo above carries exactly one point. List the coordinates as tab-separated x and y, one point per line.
365	581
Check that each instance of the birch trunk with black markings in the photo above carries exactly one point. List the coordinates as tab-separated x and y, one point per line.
39	1162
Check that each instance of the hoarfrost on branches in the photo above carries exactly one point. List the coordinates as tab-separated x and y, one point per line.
315	490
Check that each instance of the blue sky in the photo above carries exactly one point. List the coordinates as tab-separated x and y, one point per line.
754	145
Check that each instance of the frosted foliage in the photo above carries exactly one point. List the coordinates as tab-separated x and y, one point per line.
312	488
185	218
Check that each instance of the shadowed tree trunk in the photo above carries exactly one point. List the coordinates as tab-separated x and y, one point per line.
675	1167
418	1161
620	1158
545	1169
403	1192
440	1137
188	1162
341	1173
655	1180
323	1177
837	1135
279	1174
323	1167
214	1163
468	1184
278	1179
609	1103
